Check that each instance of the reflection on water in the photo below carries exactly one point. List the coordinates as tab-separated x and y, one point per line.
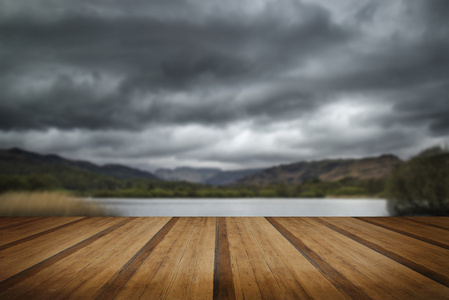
245	207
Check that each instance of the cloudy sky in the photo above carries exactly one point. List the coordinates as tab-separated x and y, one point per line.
231	84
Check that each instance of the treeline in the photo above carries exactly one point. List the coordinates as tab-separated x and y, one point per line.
37	177
309	189
87	184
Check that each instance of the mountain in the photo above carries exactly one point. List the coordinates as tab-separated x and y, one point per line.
21	162
197	175
18	161
325	170
208	176
230	177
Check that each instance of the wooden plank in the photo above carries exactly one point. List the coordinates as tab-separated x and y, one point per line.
223	282
163	281
14	238
437	222
15	269
296	276
203	276
20	257
266	281
97	260
428	234
96	263
292	258
118	258
21	231
314	283
426	259
245	282
61	276
376	275
116	283
338	280
181	281
154	273
89	262
11	222
265	237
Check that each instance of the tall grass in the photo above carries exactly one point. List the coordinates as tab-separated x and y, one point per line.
30	204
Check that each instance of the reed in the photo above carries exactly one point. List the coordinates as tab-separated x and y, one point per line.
30	204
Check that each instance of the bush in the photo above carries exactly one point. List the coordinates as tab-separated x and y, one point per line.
13	183
312	194
349	191
161	193
421	185
267	193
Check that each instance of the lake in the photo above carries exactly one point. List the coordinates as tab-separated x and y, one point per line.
253	207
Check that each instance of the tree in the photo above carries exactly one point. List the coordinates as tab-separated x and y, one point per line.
10	183
36	183
420	186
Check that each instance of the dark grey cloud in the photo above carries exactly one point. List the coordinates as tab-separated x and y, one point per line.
155	57
291	76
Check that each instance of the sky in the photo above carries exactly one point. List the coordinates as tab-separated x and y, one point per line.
231	84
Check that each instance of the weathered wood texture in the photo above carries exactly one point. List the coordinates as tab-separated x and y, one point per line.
224	258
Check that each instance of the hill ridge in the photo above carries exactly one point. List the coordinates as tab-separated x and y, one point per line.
326	170
112	170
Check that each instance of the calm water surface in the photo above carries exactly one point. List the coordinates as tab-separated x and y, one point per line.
244	207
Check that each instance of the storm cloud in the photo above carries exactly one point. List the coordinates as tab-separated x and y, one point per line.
231	84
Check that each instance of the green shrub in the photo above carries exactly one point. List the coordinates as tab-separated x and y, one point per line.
349	191
267	193
421	185
312	194
13	183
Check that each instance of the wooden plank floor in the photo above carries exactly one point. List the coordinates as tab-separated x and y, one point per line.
224	258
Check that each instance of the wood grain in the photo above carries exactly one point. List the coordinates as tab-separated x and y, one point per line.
371	271
409	228
296	276
21	272
154	273
142	231
116	283
428	260
437	222
11	222
245	281
67	273
87	270
224	258
223	281
16	236
202	284
333	275
268	285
